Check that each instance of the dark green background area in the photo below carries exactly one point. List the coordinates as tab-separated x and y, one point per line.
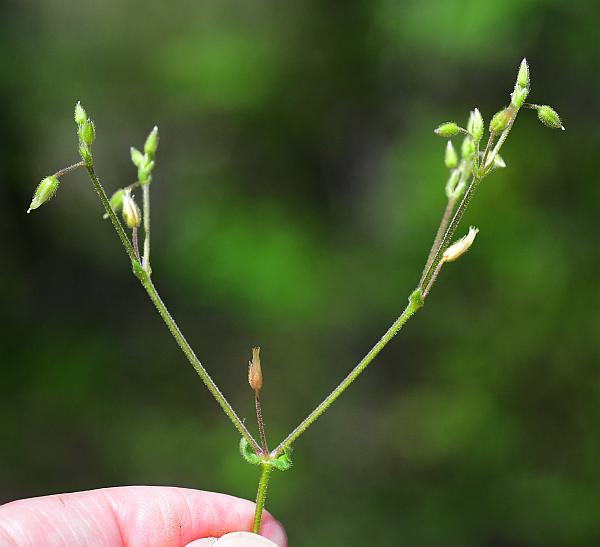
297	190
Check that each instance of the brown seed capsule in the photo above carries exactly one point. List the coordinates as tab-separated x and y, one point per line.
254	371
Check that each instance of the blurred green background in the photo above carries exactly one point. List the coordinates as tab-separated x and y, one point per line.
297	191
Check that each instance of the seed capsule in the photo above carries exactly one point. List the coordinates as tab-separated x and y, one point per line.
44	192
254	371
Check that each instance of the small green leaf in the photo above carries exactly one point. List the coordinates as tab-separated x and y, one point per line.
247	453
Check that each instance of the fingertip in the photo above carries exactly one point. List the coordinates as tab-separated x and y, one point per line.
274	530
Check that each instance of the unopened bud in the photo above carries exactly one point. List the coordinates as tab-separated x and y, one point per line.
456	250
87	132
447	129
254	371
151	143
467	148
136	156
523	75
452	182
116	201
131	212
145	170
549	117
476	123
519	95
85	153
44	192
80	114
450	156
499	121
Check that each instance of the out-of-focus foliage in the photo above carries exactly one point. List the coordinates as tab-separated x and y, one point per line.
297	190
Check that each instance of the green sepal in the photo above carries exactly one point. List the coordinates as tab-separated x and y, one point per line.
248	454
283	462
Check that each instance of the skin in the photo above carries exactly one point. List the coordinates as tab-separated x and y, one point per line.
135	516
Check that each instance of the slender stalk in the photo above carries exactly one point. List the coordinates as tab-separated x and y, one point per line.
439	235
164	313
261	424
146	199
66	170
408	312
111	214
134	240
261	495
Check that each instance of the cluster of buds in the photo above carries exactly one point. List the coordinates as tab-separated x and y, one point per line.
144	162
86	131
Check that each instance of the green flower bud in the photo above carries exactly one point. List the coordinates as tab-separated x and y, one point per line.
87	132
499	121
523	75
447	129
459	191
549	117
450	156
467	148
519	95
145	170
80	114
44	192
452	182
131	212
476	123
136	156
116	201
85	153
151	143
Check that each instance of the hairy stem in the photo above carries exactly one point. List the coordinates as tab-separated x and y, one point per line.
261	495
411	308
261	425
164	313
146	199
66	170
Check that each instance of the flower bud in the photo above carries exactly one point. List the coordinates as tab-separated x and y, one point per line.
254	371
452	182
549	117
519	95
151	143
499	121
447	129
523	75
456	250
450	156
87	132
80	114
131	212
136	156
476	123
467	148
145	170
44	192
116	201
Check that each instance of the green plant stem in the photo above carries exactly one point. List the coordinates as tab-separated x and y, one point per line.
146	203
164	313
408	312
261	495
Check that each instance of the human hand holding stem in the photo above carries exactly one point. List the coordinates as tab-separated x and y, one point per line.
465	177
